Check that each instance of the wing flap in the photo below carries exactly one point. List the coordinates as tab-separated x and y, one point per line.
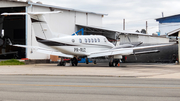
123	51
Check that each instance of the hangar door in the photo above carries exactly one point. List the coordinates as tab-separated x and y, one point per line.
12	29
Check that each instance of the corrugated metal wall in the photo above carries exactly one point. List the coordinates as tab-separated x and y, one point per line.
124	38
168	27
144	39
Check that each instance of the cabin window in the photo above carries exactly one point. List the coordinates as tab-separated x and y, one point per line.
98	39
95	40
92	40
89	40
104	39
73	40
85	40
80	40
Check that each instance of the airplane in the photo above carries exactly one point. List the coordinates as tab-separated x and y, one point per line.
67	46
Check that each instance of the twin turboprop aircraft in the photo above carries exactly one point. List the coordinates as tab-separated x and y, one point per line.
89	46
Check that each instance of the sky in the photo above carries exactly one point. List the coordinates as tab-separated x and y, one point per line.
135	12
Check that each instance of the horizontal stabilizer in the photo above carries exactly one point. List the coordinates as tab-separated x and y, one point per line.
54	53
46	51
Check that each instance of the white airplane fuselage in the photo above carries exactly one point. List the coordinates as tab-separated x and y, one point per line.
81	45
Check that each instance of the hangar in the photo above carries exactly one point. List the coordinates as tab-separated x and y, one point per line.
18	28
13	29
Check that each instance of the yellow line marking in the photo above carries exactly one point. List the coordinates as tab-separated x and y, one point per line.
89	86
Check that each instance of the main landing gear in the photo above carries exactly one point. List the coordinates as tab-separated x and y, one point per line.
74	61
113	63
87	61
95	62
62	62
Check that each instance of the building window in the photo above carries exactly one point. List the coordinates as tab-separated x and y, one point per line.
73	40
85	40
80	40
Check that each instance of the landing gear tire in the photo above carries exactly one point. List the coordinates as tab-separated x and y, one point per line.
114	63
63	63
94	61
111	64
74	62
87	61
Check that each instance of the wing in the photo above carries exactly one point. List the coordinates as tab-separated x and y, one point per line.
46	51
126	51
145	47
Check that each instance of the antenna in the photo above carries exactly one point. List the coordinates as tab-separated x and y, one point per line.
162	14
146	27
123	24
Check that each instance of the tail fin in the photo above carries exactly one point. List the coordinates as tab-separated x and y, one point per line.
40	25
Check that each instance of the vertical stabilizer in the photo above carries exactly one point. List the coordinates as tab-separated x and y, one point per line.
40	26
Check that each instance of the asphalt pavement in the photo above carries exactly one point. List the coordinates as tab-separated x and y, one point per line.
128	82
80	88
138	70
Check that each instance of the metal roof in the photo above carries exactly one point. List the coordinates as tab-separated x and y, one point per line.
174	32
55	7
63	8
169	19
111	30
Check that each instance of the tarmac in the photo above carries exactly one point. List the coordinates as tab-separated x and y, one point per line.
137	70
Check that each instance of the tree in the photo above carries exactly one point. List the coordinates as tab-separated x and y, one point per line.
143	31
137	31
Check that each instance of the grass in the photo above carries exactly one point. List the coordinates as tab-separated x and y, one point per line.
11	62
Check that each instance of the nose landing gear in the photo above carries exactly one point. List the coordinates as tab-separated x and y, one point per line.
74	61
